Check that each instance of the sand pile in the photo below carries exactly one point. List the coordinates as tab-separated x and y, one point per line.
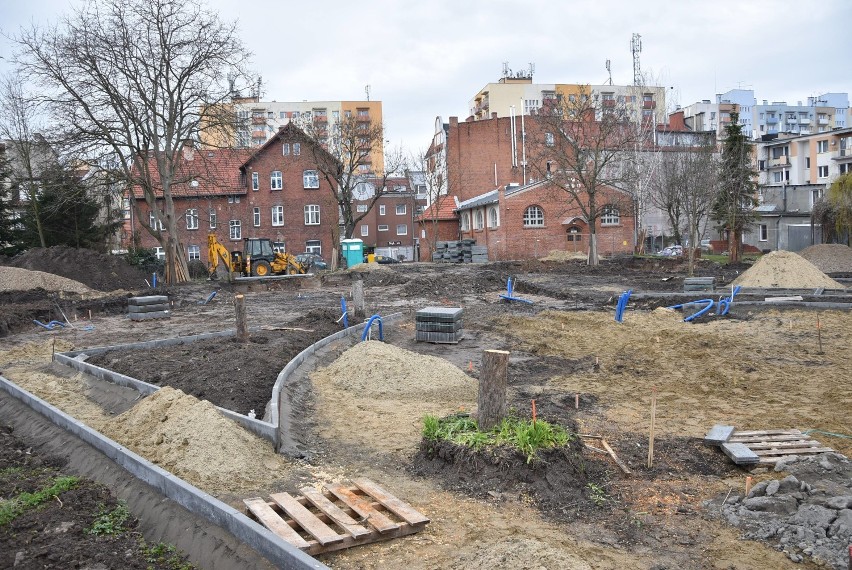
191	439
829	257
557	255
785	270
365	267
374	369
16	279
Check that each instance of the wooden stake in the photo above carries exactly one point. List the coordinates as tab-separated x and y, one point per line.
53	349
748	486
533	411
493	378
576	401
819	334
470	365
653	420
242	322
615	458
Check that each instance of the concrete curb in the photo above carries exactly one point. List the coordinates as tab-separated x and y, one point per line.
278	551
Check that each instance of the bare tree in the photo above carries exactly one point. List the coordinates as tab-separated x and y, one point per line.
21	126
431	164
588	151
131	79
343	152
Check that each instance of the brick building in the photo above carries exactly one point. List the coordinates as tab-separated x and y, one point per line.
274	192
517	222
439	222
389	228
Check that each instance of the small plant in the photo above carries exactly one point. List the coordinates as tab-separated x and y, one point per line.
16	506
110	523
162	553
597	494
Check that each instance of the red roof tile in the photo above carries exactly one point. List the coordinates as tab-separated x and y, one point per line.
204	172
441	209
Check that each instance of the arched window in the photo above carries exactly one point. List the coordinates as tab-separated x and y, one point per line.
493	219
533	217
609	216
574	233
465	221
478	220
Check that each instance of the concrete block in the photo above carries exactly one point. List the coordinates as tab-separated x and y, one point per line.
149	300
718	434
740	454
149	316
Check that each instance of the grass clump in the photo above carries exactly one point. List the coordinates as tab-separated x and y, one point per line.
16	506
110	523
165	555
526	436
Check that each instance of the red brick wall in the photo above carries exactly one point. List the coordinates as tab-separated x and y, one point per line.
430	232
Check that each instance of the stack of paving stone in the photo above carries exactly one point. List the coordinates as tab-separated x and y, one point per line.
439	325
479	254
150	307
462	251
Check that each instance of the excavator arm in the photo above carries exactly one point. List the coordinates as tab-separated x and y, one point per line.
217	253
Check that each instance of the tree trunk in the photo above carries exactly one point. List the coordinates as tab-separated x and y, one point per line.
358	299
491	402
593	248
733	246
242	321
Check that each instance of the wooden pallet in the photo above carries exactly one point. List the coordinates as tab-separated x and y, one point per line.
333	519
763	447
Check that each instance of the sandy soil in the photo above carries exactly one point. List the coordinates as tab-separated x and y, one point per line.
366	409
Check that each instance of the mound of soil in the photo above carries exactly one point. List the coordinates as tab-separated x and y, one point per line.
95	270
830	257
785	270
17	279
18	309
556	481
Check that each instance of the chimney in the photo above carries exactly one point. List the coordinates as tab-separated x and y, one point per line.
454	122
188	149
493	115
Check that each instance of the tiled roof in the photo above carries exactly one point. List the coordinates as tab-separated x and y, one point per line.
441	209
209	173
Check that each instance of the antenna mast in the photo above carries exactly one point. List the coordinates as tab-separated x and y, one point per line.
367	90
609	71
636	48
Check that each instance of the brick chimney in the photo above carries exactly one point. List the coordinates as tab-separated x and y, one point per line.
188	150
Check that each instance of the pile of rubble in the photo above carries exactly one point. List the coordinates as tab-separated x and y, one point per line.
830	257
806	514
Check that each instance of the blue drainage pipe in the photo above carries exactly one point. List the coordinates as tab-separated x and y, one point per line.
370	324
345	314
621	305
510	294
704	310
49	326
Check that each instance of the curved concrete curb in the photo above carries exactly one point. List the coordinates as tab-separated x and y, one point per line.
268	430
278	551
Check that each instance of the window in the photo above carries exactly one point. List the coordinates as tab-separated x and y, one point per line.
363	168
235	229
312	215
822	146
361	208
383	227
610	216
313	246
381	209
807	162
282	115
154	223
297	149
402	230
465	221
764	232
493	218
275	180
574	234
533	217
192	219
822	171
548	139
212	215
233	199
193	253
400	209
277	215
255	181
285	149
160	252
256	217
365	230
478	220
310	179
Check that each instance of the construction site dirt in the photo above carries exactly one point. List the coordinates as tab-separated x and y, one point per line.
759	367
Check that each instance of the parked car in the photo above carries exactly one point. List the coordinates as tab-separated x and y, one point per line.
705	246
312	260
672	251
385	259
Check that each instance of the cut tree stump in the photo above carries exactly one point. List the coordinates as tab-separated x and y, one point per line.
491	402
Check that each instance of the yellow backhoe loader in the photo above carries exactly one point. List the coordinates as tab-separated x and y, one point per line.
257	259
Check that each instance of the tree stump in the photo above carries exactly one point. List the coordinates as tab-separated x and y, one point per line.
242	321
491	401
358	299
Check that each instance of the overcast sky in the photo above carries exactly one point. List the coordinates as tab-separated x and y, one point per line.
428	59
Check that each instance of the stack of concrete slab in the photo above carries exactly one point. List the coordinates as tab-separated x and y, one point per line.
461	251
150	307
439	325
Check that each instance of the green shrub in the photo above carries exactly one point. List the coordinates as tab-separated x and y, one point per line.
109	523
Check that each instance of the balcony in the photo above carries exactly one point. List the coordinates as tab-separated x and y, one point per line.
822	121
804	121
608	103
649	104
259	134
771	120
843	154
778	162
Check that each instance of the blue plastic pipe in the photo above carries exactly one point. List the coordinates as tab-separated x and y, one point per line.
345	314
370	324
694	316
621	305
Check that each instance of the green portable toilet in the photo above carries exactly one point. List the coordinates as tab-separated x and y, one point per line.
353	251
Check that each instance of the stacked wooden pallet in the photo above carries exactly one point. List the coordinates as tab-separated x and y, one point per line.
150	307
762	447
439	325
337	517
